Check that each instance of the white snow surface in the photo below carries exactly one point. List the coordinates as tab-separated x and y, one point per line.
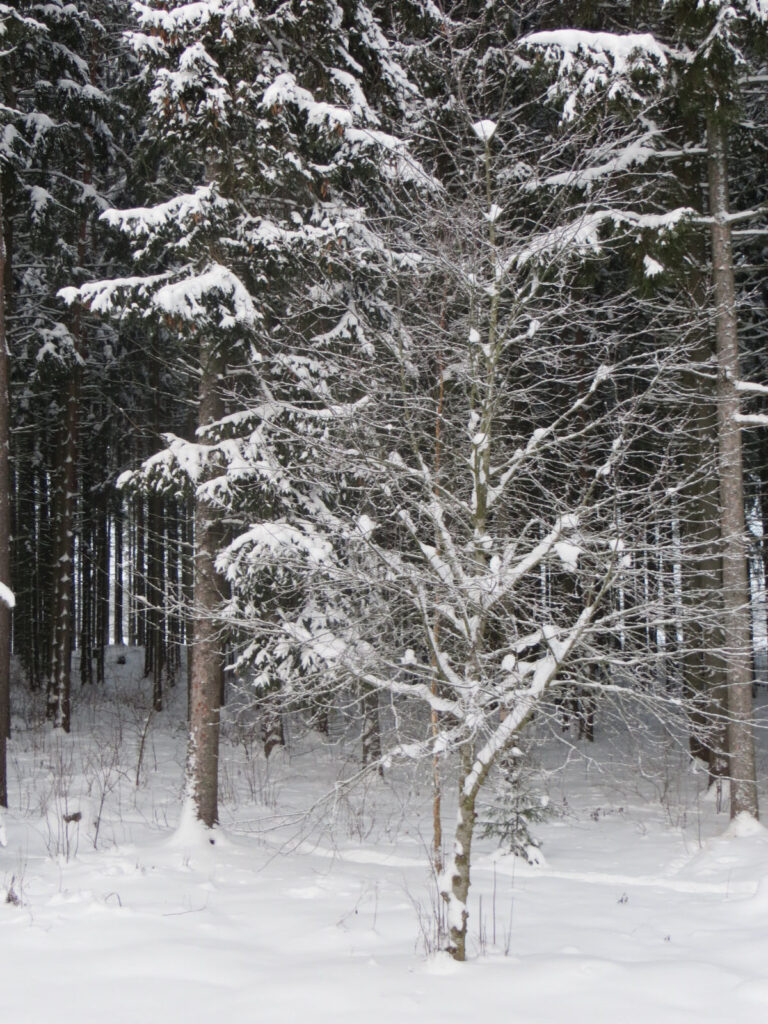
643	909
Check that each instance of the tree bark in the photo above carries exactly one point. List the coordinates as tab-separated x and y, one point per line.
62	617
5	530
459	867
704	678
736	608
206	671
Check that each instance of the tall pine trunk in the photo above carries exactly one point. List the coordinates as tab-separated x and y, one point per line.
5	530
117	526
206	671
704	676
62	613
736	607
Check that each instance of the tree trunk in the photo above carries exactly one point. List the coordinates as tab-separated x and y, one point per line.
186	554
155	650
173	595
273	732
206	673
62	617
101	594
736	608
85	575
117	526
371	735
5	531
457	871
138	575
704	678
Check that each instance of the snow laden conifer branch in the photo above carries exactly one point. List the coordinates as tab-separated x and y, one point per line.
586	64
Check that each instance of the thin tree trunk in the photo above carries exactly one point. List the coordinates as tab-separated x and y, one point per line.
371	737
206	664
173	595
85	575
117	521
101	594
62	618
736	618
459	867
704	678
186	553
155	595
5	530
273	732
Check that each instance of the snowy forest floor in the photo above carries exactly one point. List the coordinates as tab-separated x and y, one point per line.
648	906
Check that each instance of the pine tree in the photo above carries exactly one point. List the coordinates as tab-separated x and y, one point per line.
698	81
60	71
265	149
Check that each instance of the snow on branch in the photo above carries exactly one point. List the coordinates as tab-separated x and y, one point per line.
410	689
583	236
591	62
179	211
185	298
276	538
399	163
636	153
541	434
749	388
196	15
544	673
191	298
7	596
113	295
285	90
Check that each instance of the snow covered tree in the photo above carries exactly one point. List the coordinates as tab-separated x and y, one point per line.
57	75
698	66
12	25
470	557
265	149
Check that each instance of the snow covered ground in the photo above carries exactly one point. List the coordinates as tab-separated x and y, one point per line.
648	906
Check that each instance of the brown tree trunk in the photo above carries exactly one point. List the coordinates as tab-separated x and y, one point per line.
206	673
85	576
173	592
62	615
101	594
736	608
704	677
186	553
5	531
155	660
117	526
